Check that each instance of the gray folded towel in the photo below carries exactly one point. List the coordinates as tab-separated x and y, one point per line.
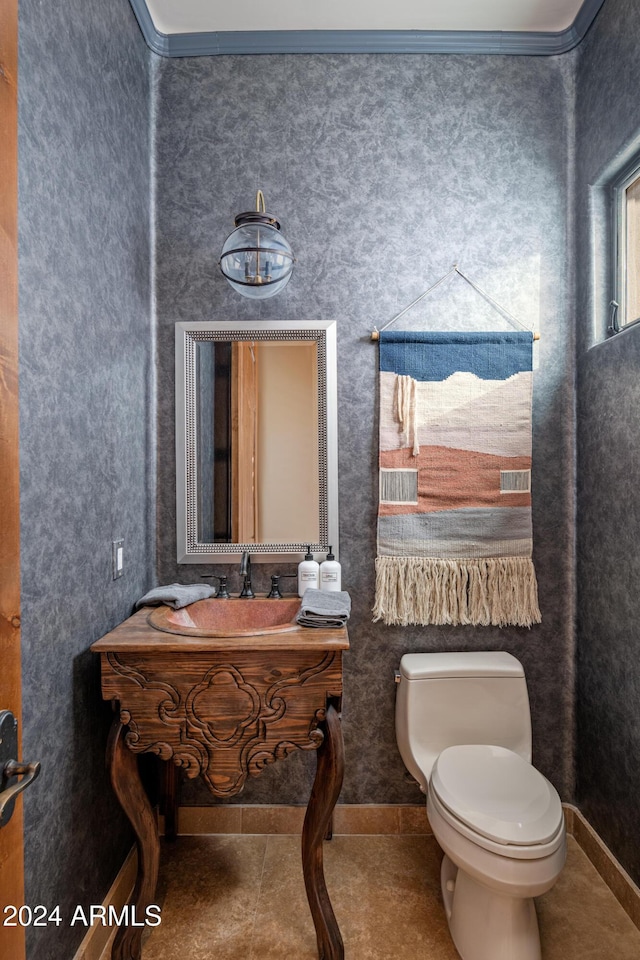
324	608
176	595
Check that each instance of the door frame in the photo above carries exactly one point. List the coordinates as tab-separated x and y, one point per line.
11	836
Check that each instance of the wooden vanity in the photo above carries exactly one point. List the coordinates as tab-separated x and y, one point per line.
224	708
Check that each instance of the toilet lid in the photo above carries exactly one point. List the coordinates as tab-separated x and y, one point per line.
497	793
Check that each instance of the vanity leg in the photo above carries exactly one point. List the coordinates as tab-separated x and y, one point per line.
127	785
326	788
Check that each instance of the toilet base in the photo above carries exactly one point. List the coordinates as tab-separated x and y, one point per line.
486	925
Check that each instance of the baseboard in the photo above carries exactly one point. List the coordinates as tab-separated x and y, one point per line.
96	945
622	886
348	819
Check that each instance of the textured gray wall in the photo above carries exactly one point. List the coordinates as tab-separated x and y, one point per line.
85	362
608	692
384	171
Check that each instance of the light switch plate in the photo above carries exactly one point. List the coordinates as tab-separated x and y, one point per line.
117	558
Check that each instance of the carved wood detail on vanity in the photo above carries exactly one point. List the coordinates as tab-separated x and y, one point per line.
218	717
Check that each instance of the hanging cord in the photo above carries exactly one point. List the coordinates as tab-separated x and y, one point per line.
376	333
455	269
494	303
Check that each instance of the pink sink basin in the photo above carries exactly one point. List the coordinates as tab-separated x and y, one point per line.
228	618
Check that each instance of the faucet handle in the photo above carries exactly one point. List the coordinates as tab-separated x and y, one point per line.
223	592
274	593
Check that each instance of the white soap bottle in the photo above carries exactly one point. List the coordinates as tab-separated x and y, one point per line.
330	573
308	573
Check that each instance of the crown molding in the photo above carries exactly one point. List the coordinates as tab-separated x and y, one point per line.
218	43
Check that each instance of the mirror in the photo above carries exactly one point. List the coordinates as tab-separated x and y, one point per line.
256	440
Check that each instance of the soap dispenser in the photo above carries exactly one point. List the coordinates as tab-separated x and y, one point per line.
330	573
308	573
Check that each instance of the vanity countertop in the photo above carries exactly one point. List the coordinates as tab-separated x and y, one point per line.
137	635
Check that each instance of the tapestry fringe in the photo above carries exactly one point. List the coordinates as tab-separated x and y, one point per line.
495	591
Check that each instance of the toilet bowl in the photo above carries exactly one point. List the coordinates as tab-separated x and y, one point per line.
464	732
503	846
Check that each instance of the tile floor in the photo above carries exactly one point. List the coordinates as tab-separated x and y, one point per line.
242	898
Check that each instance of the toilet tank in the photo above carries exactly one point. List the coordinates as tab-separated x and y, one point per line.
446	699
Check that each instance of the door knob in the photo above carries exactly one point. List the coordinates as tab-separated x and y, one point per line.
10	768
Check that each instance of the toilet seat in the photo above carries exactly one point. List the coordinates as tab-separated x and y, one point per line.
499	798
537	851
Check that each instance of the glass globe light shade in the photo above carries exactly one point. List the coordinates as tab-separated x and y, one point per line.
256	259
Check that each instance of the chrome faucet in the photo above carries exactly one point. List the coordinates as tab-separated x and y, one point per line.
245	572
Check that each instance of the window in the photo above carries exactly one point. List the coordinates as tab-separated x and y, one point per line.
627	249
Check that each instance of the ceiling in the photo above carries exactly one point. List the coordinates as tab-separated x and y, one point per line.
197	27
202	16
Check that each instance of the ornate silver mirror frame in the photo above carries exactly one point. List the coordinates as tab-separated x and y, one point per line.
323	333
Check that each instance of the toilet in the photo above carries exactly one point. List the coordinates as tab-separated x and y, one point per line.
464	732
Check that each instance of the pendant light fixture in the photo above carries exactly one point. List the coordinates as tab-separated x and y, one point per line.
256	259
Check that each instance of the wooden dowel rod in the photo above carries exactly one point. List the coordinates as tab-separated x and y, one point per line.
375	335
